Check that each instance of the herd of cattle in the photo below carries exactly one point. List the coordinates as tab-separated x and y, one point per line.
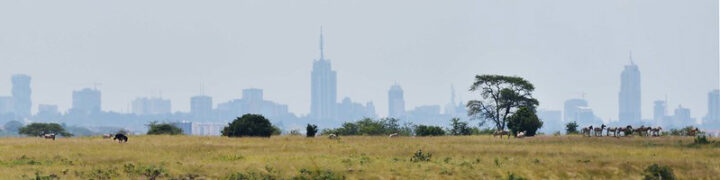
116	137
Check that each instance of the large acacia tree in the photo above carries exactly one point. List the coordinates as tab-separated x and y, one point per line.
501	96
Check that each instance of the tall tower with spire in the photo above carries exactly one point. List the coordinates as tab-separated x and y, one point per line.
323	88
630	95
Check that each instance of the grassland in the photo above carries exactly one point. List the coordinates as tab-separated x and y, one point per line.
469	157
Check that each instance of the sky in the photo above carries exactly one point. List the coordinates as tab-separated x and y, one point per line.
180	48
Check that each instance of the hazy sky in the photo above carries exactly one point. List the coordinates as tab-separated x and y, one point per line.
565	47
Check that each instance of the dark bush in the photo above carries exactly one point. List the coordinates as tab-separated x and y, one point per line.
372	127
163	128
459	128
419	156
311	130
249	125
525	120
423	130
658	172
571	128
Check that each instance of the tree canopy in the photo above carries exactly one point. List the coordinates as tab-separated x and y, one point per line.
164	128
311	130
500	96
38	129
525	120
249	125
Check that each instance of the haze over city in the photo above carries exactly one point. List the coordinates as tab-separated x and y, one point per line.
567	49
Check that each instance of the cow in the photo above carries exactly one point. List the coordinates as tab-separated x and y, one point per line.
108	136
520	134
393	135
333	136
693	132
120	138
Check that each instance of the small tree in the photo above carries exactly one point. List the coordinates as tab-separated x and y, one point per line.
423	130
459	128
311	130
38	129
164	128
571	128
525	120
500	97
249	125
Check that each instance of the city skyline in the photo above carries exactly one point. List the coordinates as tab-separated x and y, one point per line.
566	52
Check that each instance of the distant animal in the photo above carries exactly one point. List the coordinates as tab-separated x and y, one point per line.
49	136
520	134
120	138
642	130
693	132
333	136
586	130
107	136
501	133
598	131
393	135
656	131
613	130
624	130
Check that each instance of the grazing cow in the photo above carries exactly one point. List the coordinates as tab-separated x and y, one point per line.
120	138
49	136
333	136
501	133
656	131
598	131
586	130
393	135
613	130
520	134
693	132
107	136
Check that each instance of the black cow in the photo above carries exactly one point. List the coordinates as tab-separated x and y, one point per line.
120	138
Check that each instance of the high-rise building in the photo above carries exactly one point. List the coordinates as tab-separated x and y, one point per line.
571	109
253	98
396	102
713	114
47	109
659	112
201	107
86	101
6	105
682	117
629	96
323	88
21	95
151	106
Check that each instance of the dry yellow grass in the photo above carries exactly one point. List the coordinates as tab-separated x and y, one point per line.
470	157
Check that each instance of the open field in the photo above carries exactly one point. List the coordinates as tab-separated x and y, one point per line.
468	157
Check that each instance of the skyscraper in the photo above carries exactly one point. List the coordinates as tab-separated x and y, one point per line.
396	102
572	108
151	106
659	111
86	101
21	95
713	115
323	88
201	107
629	96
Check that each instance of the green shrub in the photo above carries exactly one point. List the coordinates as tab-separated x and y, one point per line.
419	156
701	140
423	130
524	120
311	130
459	128
571	128
372	127
249	125
163	128
658	172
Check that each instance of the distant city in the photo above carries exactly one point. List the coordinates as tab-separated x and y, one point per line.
207	117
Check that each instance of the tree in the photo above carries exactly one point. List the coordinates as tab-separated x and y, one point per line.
13	126
501	96
423	130
38	129
276	130
311	130
525	120
459	128
249	125
164	128
571	128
